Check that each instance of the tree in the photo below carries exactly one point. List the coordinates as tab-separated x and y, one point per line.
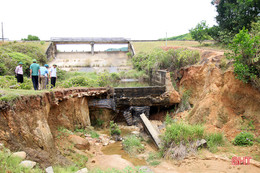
246	55
200	32
233	15
31	38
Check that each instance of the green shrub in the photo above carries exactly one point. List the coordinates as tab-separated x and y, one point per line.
99	122
114	129
178	132
245	53
61	74
31	38
168	119
7	81
11	54
104	79
214	140
200	32
160	59
11	164
78	81
3	69
94	134
244	139
132	144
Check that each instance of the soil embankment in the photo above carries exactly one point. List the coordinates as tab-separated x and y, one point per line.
29	122
218	99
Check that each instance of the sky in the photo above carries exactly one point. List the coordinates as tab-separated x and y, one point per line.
135	19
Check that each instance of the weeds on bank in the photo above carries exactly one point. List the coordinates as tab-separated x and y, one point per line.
128	169
61	169
63	132
153	159
214	140
177	132
8	95
114	129
244	139
133	145
11	164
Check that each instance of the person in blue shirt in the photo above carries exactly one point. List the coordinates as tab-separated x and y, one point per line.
34	74
44	76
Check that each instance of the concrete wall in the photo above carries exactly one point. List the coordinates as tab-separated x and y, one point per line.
79	61
157	78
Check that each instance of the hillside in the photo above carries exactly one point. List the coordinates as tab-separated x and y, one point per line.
11	53
179	37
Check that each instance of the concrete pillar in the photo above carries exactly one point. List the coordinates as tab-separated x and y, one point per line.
92	48
54	50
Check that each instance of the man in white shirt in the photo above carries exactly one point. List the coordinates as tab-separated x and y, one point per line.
19	72
53	75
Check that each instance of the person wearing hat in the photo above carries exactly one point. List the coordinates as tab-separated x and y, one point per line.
19	72
34	74
44	76
53	75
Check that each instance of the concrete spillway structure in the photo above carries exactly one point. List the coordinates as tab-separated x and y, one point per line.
90	60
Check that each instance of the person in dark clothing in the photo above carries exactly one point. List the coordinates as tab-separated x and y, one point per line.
53	75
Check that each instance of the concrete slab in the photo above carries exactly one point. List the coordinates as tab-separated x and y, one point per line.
151	130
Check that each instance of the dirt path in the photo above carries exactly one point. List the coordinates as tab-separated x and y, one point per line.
112	156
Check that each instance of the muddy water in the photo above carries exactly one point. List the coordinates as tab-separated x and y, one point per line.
124	132
116	148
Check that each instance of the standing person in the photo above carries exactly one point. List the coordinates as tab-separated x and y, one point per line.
53	75
19	72
44	76
34	74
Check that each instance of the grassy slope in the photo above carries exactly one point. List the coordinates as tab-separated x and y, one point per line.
149	46
179	37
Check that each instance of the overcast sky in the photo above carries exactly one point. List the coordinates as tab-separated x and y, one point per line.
135	19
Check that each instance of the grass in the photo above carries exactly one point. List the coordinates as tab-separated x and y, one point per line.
68	169
11	164
150	46
132	144
94	134
214	140
177	132
11	94
153	159
182	132
128	169
63	132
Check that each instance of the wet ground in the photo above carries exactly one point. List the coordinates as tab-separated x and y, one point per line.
113	156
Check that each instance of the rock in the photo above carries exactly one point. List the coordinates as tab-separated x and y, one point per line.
20	154
1	146
84	170
135	133
79	142
145	169
49	170
28	164
112	141
174	97
201	142
219	124
117	138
